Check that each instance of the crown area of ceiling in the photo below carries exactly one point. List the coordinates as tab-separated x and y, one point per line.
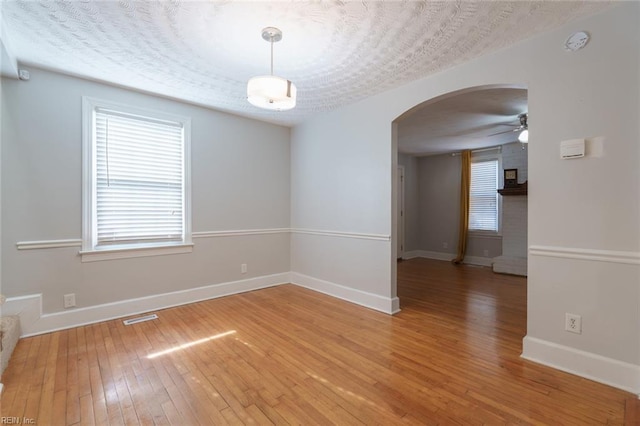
204	52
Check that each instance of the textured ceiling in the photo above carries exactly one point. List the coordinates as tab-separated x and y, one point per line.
335	52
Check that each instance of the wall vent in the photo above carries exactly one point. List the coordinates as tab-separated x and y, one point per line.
140	319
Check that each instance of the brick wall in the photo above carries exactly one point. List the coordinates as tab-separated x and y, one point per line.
514	215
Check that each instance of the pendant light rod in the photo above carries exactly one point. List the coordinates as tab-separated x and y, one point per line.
272	56
272	35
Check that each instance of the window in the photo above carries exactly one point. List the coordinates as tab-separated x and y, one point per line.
483	195
136	191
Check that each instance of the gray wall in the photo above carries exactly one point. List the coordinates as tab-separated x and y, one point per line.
240	181
411	215
432	199
438	202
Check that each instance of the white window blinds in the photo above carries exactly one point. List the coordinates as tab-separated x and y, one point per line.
139	179
483	197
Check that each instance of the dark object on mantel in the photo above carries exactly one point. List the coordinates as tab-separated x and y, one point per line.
510	178
521	189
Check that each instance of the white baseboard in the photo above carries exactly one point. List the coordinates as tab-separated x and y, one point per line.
34	322
605	370
359	297
437	255
478	260
37	323
410	255
595	367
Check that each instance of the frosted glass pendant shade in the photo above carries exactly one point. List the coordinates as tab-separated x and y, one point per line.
271	92
524	136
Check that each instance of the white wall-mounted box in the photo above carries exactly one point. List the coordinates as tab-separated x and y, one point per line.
572	148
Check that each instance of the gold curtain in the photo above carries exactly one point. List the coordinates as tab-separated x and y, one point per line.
465	184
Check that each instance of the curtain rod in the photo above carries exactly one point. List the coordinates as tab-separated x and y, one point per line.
474	151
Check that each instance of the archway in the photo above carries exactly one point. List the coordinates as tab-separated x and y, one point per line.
479	118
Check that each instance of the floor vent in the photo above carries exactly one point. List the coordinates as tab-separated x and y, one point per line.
140	319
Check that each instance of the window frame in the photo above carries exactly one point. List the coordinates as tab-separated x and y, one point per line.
490	155
90	252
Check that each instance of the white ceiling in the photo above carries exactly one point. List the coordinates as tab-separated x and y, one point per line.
205	51
469	120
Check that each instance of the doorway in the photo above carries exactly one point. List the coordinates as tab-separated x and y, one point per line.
400	210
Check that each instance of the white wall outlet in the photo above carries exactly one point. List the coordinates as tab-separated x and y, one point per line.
573	323
69	300
486	253
243	268
445	245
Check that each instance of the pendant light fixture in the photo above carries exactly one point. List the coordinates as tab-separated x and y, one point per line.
270	91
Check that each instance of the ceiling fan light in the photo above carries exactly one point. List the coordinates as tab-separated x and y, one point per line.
271	92
524	136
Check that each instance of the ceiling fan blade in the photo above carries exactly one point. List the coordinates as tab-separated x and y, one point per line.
503	132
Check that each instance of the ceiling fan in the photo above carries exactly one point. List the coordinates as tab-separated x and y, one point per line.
523	128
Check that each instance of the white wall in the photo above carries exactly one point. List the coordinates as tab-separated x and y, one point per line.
1	209
342	165
515	156
514	208
514	215
240	181
341	186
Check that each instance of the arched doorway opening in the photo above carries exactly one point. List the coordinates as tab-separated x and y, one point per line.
427	141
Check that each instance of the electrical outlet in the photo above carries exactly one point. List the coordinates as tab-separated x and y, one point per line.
573	323
243	268
486	253
69	300
445	245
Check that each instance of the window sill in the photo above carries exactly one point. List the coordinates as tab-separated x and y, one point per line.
120	252
485	234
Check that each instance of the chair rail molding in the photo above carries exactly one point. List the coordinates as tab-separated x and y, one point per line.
611	256
77	242
358	235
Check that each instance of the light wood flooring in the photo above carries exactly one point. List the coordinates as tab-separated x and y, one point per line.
287	355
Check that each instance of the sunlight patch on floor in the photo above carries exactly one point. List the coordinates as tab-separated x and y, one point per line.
188	345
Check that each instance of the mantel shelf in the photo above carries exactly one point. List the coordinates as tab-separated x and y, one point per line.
521	190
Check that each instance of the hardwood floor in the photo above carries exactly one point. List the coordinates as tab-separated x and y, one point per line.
287	355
